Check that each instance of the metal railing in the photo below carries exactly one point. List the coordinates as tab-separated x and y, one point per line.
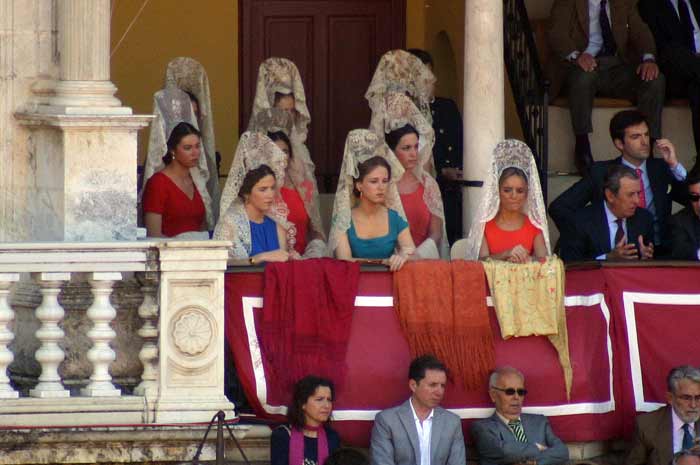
530	88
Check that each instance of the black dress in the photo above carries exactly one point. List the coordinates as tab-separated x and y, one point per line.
279	446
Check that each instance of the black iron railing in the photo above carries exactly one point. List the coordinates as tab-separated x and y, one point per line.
527	81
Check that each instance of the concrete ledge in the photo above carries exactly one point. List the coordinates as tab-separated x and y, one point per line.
128	445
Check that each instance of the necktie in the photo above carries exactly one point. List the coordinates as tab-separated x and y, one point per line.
687	437
517	427
620	233
642	193
609	46
686	24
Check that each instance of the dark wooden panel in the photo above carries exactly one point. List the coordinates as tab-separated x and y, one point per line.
352	48
336	44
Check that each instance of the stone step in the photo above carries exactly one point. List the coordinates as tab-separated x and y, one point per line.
676	126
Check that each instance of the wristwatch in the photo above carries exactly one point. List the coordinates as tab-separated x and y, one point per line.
251	260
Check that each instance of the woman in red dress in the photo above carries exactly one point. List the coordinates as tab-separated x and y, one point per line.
510	235
292	198
172	204
422	223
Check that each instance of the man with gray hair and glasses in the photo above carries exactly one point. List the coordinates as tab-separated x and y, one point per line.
673	428
510	436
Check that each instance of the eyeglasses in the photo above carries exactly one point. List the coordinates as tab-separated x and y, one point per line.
694	197
689	398
511	391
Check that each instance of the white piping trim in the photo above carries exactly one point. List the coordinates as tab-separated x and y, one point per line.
250	303
628	300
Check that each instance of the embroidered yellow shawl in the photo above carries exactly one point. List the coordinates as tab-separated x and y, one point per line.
529	301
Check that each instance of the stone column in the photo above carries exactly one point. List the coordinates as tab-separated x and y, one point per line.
84	48
82	141
484	123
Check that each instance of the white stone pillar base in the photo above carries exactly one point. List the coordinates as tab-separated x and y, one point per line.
85	176
191	340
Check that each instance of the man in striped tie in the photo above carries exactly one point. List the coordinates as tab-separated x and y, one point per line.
510	436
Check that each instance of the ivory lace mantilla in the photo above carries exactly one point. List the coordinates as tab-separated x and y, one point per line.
172	106
509	153
396	112
280	75
254	149
401	72
360	145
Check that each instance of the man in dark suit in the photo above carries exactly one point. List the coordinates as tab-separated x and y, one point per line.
615	229
510	436
662	179
447	154
419	431
675	27
685	225
602	47
670	429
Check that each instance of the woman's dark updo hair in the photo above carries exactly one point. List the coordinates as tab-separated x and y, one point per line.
279	135
366	167
392	139
176	135
251	179
279	96
511	171
303	389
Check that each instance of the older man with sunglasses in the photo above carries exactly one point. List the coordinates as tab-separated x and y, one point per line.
672	428
685	225
510	436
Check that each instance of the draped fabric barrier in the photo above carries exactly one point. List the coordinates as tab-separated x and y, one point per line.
627	328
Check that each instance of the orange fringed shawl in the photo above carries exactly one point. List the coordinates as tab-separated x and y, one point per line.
441	307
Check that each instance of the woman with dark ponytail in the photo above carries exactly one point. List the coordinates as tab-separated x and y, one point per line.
172	204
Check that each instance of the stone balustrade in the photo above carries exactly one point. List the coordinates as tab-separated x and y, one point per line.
115	333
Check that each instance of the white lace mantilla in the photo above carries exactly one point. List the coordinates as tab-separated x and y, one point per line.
402	72
509	153
361	145
280	75
171	106
398	111
254	149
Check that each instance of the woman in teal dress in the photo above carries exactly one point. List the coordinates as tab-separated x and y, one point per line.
368	221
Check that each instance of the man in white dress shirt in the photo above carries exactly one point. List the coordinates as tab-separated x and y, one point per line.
419	431
602	47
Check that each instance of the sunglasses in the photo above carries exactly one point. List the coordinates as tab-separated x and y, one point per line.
694	197
512	391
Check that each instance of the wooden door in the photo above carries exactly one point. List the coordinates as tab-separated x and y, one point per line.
336	44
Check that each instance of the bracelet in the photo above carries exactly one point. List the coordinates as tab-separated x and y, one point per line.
251	260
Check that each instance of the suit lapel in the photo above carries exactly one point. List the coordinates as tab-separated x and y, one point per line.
689	226
582	7
529	433
436	434
602	230
406	416
665	435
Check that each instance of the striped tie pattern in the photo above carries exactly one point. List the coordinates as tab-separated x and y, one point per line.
517	427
